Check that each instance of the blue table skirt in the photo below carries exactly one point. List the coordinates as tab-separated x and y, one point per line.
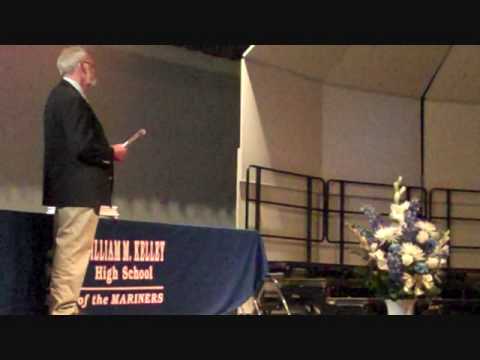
136	268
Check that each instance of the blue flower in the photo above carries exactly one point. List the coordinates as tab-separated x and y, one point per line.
395	249
395	266
410	235
429	246
410	231
366	233
421	268
374	220
412	214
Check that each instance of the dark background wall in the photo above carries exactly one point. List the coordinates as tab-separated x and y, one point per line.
183	172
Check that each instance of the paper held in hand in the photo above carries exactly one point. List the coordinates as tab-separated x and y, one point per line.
109	212
105	212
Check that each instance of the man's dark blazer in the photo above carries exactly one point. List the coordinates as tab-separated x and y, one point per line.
78	160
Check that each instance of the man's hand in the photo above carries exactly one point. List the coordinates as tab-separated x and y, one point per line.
119	152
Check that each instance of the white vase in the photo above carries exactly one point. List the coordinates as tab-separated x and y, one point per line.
401	307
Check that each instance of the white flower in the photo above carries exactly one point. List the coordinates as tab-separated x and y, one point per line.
445	250
414	251
379	257
423	237
429	228
407	290
428	282
388	233
399	190
419	291
443	263
363	241
407	259
426	226
382	265
445	238
433	263
428	277
435	235
409	282
374	247
397	212
442	247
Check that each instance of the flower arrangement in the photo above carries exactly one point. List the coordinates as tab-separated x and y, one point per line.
406	256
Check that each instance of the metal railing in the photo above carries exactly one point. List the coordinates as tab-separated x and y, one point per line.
324	211
449	218
342	211
308	208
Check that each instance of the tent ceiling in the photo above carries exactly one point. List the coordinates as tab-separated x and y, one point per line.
459	79
393	69
402	70
314	61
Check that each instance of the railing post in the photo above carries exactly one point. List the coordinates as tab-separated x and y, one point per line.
424	203
342	223
430	205
309	219
449	219
258	198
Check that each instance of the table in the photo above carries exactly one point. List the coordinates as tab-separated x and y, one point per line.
136	268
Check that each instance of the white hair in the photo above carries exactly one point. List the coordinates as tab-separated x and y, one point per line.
69	59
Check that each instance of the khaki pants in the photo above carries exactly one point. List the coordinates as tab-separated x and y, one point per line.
74	230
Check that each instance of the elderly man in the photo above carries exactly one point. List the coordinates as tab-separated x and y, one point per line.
78	175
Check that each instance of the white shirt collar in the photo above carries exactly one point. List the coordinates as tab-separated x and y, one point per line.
76	85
